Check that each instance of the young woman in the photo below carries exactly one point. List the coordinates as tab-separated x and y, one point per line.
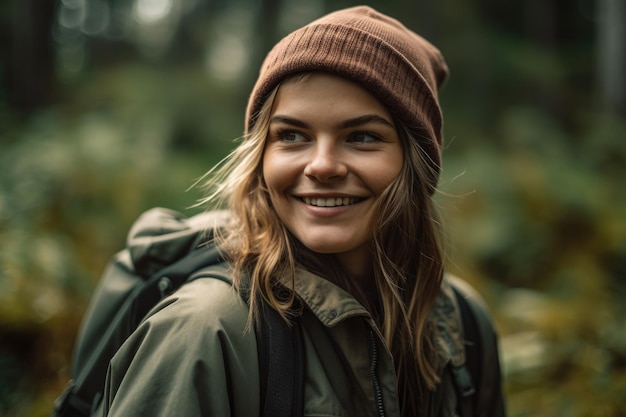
331	222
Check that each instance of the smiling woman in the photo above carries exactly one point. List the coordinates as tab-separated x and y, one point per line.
331	223
332	150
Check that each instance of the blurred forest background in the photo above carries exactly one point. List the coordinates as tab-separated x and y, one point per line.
110	107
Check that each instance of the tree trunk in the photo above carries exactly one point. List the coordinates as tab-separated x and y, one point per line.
31	57
612	54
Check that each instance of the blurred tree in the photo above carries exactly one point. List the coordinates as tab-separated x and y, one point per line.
29	58
544	49
266	27
612	54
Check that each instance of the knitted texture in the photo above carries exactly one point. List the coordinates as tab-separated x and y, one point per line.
400	68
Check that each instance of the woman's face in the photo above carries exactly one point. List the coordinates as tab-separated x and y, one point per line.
332	149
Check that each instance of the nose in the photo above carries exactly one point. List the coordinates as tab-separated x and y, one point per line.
325	164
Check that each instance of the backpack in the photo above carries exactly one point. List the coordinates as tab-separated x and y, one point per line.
133	283
175	251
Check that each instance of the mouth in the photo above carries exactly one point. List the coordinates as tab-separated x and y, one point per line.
331	201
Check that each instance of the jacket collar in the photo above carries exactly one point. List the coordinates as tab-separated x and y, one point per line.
332	305
329	302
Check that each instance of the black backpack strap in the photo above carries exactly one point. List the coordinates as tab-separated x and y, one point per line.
281	365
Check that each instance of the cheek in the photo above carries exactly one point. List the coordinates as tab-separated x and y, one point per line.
383	175
276	173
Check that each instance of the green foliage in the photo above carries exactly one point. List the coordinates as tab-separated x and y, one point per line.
538	225
73	179
532	199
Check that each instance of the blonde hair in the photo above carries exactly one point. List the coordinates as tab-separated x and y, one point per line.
409	252
261	249
256	242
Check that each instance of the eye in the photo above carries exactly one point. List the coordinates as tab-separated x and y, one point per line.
289	136
363	137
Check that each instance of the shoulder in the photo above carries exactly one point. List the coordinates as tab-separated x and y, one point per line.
481	347
458	307
191	343
202	304
477	324
205	316
464	289
204	321
470	302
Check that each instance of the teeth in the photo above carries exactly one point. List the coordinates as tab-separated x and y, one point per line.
330	202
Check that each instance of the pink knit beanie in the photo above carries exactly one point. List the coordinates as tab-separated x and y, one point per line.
399	67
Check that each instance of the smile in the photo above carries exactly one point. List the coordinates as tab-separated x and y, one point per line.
331	201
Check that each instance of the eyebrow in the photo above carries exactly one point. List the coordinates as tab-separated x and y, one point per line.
355	122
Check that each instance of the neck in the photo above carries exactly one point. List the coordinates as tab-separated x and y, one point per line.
352	271
360	274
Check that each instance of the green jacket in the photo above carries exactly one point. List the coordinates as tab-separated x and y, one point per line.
193	357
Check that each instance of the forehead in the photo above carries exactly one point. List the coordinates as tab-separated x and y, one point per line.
332	94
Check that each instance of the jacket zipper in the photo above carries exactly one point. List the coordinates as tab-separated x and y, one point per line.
378	393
